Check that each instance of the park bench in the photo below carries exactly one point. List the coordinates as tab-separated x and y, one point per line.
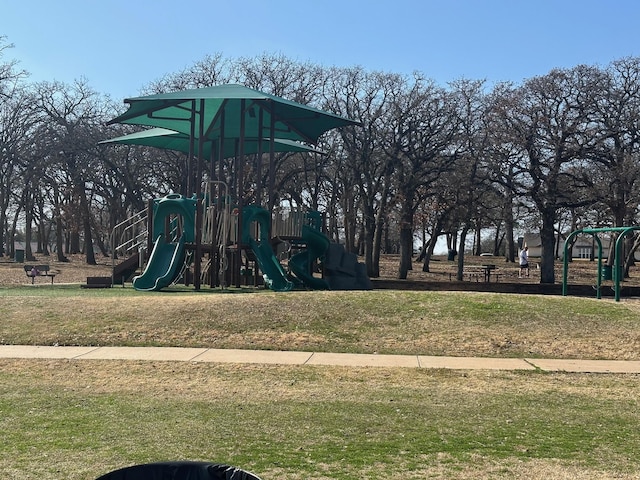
33	271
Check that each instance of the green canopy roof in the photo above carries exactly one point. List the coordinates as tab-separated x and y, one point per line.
172	140
222	111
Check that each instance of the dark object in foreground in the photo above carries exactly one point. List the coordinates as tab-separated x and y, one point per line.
182	470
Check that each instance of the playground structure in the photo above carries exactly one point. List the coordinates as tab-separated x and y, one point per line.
166	248
207	235
616	272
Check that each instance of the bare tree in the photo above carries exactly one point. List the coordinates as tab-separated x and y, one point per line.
547	119
616	158
18	122
474	197
506	166
367	167
423	125
73	113
213	69
11	76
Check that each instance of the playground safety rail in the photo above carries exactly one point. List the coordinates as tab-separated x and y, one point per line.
129	235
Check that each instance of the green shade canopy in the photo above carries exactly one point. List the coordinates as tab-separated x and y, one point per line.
230	111
172	140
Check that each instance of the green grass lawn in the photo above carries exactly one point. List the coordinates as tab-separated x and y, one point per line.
76	420
79	419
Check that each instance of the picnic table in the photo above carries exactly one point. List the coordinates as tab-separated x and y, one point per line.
479	273
486	271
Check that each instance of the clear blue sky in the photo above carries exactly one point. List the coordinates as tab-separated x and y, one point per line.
121	45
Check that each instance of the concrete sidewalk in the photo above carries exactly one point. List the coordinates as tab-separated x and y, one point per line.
211	355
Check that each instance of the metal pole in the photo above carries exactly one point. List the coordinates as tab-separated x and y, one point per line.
192	134
240	182
197	261
259	159
565	261
272	161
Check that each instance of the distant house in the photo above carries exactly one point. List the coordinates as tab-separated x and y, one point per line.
584	247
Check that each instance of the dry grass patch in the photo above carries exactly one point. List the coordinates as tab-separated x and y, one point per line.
416	323
426	323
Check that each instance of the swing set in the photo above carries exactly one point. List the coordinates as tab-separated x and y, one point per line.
617	274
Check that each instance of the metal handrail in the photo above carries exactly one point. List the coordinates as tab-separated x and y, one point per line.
130	235
126	232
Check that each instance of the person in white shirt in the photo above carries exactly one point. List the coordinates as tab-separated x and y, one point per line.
524	262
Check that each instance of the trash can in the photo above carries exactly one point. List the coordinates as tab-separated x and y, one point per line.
19	256
451	255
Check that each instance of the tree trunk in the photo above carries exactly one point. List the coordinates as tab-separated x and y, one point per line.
59	228
86	222
478	245
360	242
28	232
349	224
547	237
43	231
332	222
13	231
430	247
74	242
406	238
463	239
368	239
374	270
104	251
452	240
630	260
511	250
6	238
349	233
431	244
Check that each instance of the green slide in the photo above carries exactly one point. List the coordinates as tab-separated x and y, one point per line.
274	276
300	264
163	267
168	254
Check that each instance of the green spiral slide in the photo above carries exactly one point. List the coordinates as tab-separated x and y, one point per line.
301	263
274	276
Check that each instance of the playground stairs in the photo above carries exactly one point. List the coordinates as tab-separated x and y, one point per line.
97	282
128	238
124	271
